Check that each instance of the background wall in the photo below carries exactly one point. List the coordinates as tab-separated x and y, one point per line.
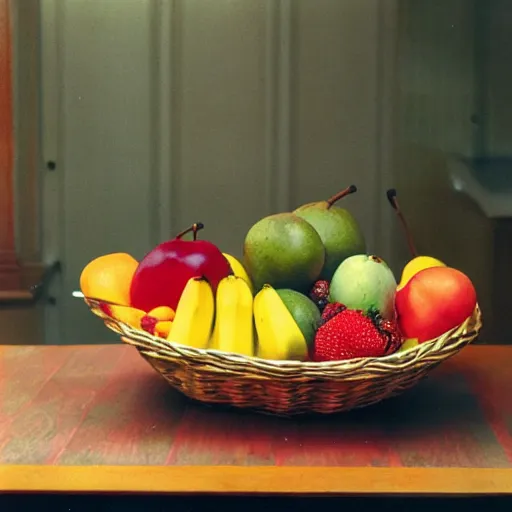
161	113
440	76
498	73
437	74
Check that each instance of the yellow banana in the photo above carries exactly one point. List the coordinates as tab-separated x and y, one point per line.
239	270
192	324
279	336
233	331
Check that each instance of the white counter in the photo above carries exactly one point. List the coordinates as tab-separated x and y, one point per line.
487	182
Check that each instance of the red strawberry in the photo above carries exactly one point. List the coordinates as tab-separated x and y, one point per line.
348	335
319	294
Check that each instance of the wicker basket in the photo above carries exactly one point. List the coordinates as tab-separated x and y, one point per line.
286	387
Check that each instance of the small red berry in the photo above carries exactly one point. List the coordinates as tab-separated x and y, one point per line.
148	323
319	294
331	310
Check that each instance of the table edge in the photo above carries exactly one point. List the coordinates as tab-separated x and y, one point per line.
256	480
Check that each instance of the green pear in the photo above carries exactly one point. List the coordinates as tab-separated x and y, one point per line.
340	233
364	282
284	251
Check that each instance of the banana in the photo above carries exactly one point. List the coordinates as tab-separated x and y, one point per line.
239	270
233	331
125	314
279	336
193	322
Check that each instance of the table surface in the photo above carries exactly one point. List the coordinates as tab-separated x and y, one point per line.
99	418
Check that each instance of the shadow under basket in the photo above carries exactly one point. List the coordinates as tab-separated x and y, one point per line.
289	388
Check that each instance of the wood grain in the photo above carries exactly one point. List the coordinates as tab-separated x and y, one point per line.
99	418
256	480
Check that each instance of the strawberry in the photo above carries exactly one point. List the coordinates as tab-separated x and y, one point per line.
350	334
319	294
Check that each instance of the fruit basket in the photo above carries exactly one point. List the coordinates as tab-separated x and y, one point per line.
286	387
308	323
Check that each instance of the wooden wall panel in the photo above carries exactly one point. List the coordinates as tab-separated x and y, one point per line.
26	77
9	269
171	112
221	167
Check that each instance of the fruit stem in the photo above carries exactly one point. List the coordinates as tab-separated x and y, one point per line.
341	194
194	228
391	193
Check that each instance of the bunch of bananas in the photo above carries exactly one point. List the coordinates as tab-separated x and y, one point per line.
233	320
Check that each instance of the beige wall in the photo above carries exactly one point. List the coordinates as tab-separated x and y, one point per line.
163	113
436	99
498	80
153	108
436	74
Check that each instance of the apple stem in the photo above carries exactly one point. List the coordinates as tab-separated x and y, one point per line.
341	194
194	228
391	193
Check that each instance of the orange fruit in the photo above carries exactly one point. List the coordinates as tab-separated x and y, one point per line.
109	277
162	329
163	313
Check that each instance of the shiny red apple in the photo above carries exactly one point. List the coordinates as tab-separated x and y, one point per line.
163	273
434	301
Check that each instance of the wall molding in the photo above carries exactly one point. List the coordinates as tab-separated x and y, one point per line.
51	188
51	12
278	60
386	229
162	117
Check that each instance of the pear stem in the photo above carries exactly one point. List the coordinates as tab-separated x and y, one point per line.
341	194
391	193
194	228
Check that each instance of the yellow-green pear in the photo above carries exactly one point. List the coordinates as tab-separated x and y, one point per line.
341	234
284	251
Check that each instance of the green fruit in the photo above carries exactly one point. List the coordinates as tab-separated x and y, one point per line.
284	251
364	282
304	311
338	229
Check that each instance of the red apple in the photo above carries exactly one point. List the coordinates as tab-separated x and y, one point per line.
163	273
434	301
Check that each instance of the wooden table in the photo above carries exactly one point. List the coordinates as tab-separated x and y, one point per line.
99	419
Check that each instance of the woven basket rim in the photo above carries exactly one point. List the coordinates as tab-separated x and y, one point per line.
156	345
